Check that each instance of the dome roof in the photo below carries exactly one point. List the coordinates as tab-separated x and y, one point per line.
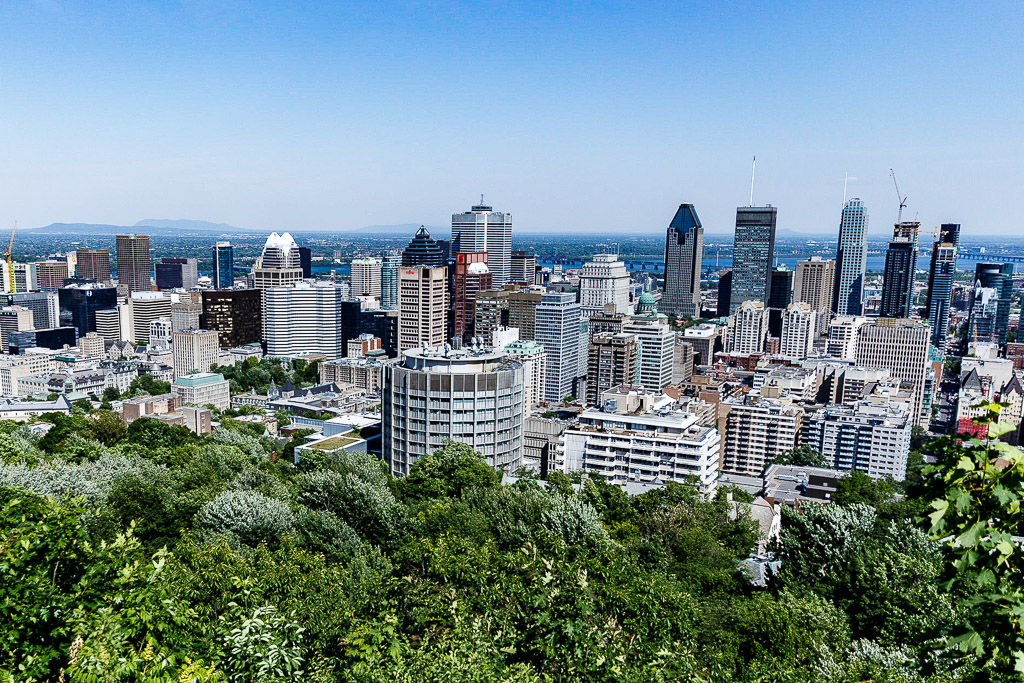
477	269
646	298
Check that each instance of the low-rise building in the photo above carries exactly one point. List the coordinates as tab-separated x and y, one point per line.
149	406
365	372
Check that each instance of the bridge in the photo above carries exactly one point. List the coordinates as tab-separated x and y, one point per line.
994	258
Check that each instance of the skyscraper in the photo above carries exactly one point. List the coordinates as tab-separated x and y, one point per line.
132	264
236	315
940	282
813	284
83	300
748	328
656	352
684	249
366	277
558	331
223	265
851	260
483	229
524	267
423	251
51	274
604	280
780	295
753	249
93	264
423	306
901	346
303	317
470	276
612	361
799	329
279	265
900	268
306	262
389	266
722	305
175	272
999	278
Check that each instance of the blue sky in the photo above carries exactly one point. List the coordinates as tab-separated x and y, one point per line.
576	116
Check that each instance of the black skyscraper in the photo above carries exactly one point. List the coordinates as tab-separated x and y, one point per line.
423	250
900	268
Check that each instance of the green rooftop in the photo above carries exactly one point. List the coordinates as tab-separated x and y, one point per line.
333	443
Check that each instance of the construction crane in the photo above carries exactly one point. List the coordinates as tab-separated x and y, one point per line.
7	257
900	197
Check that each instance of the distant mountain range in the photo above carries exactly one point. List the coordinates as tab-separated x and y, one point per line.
187	224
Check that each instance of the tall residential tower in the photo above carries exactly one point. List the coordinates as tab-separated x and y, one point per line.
940	282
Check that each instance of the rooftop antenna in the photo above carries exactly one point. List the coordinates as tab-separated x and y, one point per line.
481	199
902	198
845	183
753	167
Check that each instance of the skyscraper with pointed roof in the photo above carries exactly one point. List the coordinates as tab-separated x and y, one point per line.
684	250
423	251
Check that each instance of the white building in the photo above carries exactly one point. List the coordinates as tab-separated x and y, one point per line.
656	353
604	280
651	448
366	277
867	437
558	331
422	306
842	336
144	308
901	346
799	328
471	396
748	328
534	360
503	336
194	351
203	388
303	317
483	229
161	333
279	265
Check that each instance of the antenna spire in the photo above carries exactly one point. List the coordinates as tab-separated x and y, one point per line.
753	167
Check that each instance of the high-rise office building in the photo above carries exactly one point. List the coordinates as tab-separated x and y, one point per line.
390	263
748	328
133	264
93	264
236	315
175	272
522	311
483	229
306	262
44	306
656	344
900	269
435	395
524	267
490	312
14	319
981	326
813	284
724	294
900	346
752	254
612	361
366	277
50	275
422	306
843	331
423	250
223	265
83	300
304	317
144	308
604	280
851	260
940	282
557	329
799	329
279	265
194	351
684	250
470	276
780	295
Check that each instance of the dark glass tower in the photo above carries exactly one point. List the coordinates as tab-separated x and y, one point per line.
82	301
423	251
223	266
981	324
724	294
752	253
780	295
940	282
684	249
900	267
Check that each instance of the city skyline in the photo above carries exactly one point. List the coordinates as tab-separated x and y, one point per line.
261	116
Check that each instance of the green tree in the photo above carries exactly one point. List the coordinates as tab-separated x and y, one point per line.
111	394
857	487
447	472
148	384
801	456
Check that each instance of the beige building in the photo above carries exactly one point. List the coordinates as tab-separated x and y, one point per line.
799	329
612	360
748	328
194	351
366	277
755	430
422	306
367	373
133	265
14	319
145	307
812	285
901	346
92	346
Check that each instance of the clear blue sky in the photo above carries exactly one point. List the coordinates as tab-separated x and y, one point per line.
575	116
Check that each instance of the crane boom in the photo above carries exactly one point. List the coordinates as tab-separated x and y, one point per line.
7	257
899	196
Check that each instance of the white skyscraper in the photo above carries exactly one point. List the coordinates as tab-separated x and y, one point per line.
366	277
851	260
657	343
194	351
799	328
604	280
483	229
303	317
279	264
558	331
